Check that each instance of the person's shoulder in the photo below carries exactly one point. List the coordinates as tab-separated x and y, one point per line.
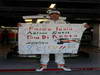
62	21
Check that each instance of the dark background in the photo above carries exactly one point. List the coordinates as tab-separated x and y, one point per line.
11	11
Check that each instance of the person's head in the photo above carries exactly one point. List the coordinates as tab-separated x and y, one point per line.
54	14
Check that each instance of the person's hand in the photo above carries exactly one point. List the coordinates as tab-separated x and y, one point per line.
19	24
86	25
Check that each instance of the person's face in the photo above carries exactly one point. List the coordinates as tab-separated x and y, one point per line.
54	16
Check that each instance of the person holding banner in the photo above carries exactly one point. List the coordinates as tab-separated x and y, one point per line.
59	59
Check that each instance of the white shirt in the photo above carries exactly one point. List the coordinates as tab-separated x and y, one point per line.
56	22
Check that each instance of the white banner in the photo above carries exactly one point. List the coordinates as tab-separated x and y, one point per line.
49	38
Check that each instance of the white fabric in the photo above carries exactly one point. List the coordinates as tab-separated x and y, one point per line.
51	12
36	40
58	58
56	22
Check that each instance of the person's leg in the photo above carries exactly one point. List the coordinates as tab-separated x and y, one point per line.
44	58
44	61
59	59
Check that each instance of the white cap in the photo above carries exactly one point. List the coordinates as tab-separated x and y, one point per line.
54	11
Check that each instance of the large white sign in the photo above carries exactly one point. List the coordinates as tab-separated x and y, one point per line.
49	38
